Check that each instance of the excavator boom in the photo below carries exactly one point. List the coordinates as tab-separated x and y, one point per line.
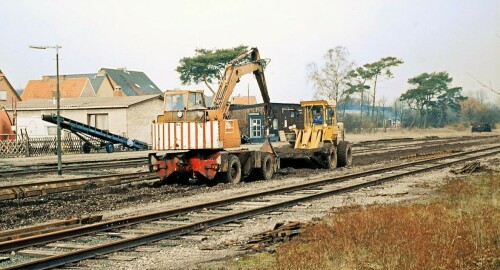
235	69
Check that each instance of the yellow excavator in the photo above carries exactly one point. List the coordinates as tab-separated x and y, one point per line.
203	137
321	142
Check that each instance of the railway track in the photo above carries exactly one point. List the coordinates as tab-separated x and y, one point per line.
376	143
361	148
16	191
74	166
73	244
407	143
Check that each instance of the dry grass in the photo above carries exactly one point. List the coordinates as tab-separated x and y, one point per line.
459	229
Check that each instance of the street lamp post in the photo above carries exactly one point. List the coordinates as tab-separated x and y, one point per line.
58	98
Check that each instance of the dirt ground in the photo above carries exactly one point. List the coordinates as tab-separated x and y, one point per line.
119	201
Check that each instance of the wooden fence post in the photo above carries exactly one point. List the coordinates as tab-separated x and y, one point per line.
27	146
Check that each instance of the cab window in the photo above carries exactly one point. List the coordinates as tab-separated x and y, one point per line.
195	99
174	102
330	115
317	115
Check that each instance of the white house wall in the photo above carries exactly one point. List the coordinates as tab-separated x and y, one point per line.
140	116
116	118
133	122
34	126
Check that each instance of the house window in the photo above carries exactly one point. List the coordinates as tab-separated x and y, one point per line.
3	94
256	128
99	121
275	123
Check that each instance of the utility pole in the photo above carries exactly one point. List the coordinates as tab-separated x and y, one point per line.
58	100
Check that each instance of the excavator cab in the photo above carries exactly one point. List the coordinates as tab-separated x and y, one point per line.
178	100
183	106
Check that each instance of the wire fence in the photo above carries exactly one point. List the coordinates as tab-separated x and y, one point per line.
23	146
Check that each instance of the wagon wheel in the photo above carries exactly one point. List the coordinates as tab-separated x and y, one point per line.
86	147
110	148
266	170
233	174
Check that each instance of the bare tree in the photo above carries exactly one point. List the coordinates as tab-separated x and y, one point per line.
331	80
481	95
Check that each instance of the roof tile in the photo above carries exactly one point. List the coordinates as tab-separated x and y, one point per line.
69	87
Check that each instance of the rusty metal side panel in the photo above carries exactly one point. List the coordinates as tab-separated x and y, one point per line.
186	136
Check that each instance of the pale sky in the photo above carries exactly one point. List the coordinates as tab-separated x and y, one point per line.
461	37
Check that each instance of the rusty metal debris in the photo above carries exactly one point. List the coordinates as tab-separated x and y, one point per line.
279	233
469	168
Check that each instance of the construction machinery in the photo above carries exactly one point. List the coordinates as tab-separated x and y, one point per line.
481	127
94	138
202	140
321	143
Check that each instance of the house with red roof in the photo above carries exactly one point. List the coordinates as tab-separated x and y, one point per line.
46	88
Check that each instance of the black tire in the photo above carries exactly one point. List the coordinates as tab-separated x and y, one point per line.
266	170
110	148
233	174
330	160
344	154
86	148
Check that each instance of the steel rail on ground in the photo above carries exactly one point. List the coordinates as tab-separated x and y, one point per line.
76	166
16	191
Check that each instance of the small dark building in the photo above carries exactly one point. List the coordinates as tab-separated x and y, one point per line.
255	127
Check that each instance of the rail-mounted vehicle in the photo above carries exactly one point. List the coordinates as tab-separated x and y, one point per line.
201	141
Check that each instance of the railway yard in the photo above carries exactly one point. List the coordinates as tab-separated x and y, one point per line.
109	211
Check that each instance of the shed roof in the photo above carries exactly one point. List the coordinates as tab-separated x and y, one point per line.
84	103
244	100
257	105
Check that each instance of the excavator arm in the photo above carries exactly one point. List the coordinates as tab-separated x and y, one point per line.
235	69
